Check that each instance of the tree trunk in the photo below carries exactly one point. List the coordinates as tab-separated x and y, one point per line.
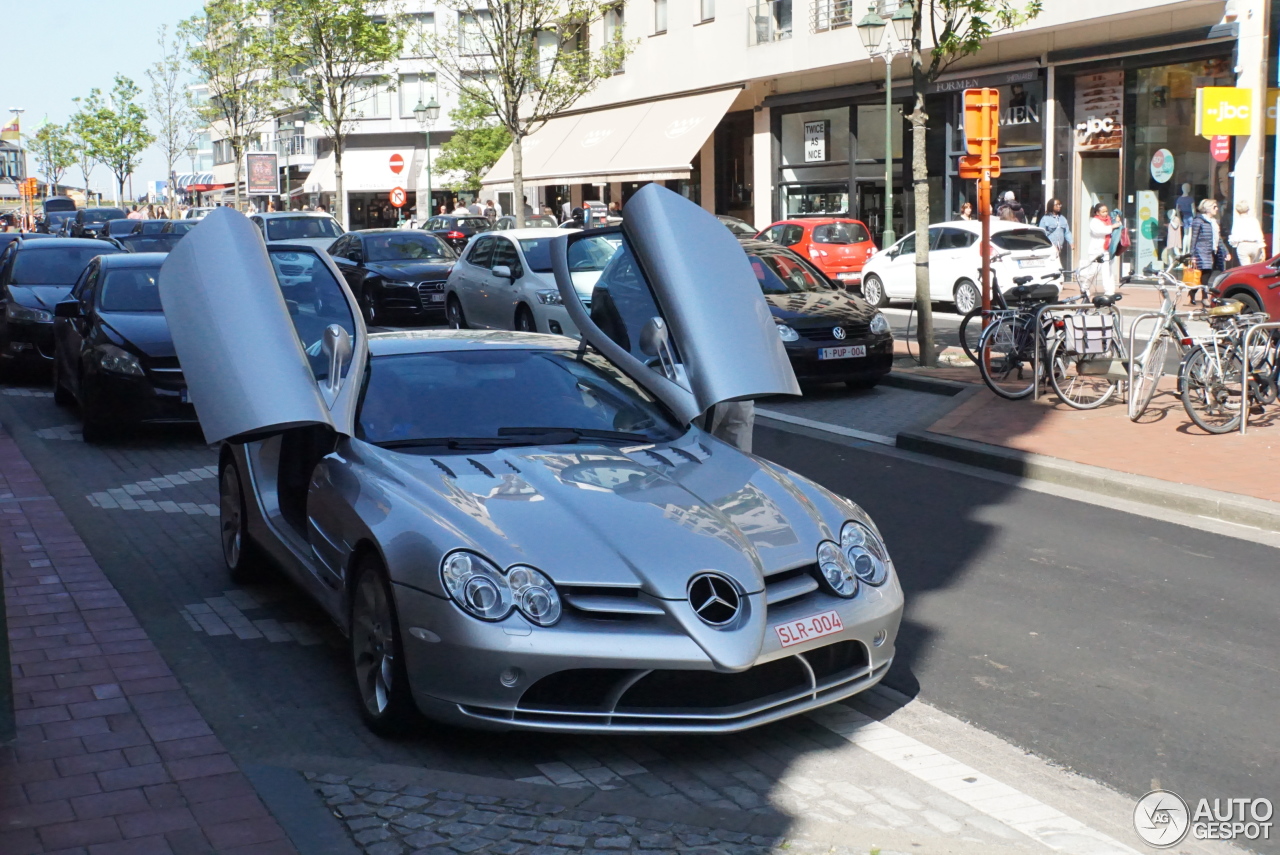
339	201
920	198
517	179
239	156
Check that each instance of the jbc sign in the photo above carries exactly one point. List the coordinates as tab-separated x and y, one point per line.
1224	111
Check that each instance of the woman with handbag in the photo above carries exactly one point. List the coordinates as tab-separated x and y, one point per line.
1208	250
1095	275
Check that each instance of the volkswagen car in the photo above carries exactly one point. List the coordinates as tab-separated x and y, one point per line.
526	531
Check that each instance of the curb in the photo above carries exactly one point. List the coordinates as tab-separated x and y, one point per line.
931	385
1200	501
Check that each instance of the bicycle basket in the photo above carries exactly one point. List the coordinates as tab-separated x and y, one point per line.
1088	333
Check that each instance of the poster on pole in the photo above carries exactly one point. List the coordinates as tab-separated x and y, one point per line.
262	173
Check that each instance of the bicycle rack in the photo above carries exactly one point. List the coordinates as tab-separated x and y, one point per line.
1133	344
1245	372
1078	304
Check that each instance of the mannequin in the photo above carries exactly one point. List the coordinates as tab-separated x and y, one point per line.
1173	238
1186	204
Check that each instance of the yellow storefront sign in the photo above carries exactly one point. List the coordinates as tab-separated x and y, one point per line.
1225	111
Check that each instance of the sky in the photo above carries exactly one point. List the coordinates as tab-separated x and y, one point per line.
94	42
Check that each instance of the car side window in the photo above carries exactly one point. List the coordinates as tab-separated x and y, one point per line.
257	221
908	245
504	252
315	301
481	252
772	235
83	291
792	235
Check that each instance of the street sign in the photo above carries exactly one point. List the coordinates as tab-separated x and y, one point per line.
982	121
972	167
397	196
1220	148
982	138
397	165
1224	110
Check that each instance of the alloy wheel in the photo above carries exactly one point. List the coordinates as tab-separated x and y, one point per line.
873	291
967	297
230	517
373	644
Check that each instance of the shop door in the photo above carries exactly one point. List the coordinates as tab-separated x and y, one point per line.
1099	182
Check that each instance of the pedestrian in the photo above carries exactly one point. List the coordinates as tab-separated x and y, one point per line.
271	206
1010	203
151	211
1095	275
566	210
490	212
546	211
1208	249
474	208
460	210
1246	235
135	214
528	209
966	210
320	209
1058	230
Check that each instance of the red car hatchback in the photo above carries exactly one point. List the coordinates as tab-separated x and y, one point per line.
1255	285
838	246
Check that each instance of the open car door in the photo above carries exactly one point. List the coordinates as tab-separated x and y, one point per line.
676	305
268	340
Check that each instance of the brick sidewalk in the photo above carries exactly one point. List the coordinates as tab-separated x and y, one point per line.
111	757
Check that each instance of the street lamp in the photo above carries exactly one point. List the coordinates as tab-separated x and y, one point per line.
192	151
871	29
426	114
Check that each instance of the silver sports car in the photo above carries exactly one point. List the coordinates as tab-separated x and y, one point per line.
527	531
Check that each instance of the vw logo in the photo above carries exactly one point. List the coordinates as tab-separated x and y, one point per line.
714	599
839	333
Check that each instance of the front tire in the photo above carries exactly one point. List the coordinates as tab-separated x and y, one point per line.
369	308
95	428
1210	393
873	291
1147	377
61	395
1072	380
525	321
239	553
1006	358
1251	305
453	310
377	653
967	296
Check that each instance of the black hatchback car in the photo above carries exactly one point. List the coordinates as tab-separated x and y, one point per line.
456	231
114	356
90	222
830	336
34	276
395	273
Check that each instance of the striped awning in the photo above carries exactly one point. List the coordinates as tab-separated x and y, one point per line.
186	179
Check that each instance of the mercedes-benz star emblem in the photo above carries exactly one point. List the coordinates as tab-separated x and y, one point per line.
714	599
839	333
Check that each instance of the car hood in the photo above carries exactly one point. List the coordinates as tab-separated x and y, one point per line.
147	332
646	517
40	296
818	308
584	281
316	243
411	270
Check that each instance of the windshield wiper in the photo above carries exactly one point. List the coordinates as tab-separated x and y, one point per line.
577	433
505	440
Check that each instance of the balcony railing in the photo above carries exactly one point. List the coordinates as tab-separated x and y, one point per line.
768	21
827	15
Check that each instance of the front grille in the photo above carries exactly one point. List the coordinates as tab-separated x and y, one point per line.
425	292
610	603
165	372
791	584
824	333
292	270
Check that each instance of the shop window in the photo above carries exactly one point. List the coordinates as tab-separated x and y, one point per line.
871	131
800	199
815	145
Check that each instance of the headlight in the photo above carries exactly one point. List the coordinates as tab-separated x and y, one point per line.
865	552
535	596
15	312
119	361
835	574
550	297
485	592
787	333
879	324
396	283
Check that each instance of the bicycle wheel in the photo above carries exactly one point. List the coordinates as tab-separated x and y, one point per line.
1147	377
971	333
1211	390
1084	380
1006	358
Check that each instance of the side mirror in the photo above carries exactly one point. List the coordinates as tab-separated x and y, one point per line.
67	309
502	271
336	343
354	257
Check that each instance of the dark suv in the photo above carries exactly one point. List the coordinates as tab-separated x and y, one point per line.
90	222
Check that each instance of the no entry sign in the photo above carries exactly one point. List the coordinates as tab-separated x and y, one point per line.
397	196
397	164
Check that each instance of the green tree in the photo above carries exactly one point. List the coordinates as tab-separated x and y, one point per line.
477	143
229	47
115	129
54	151
957	29
334	53
170	102
77	127
525	61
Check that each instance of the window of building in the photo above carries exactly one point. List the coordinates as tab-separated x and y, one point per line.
420	31
708	10
614	26
415	88
659	16
371	100
770	21
222	151
471	39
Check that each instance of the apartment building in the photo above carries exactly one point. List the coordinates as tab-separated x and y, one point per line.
770	108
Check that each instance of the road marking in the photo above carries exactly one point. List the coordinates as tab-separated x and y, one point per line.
65	432
826	426
225	615
128	496
1037	820
23	392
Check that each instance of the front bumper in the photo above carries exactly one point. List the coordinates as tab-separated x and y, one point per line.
631	676
124	399
28	342
808	367
555	320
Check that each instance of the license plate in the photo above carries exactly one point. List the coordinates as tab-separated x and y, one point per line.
1031	262
185	396
849	277
809	628
437	298
846	352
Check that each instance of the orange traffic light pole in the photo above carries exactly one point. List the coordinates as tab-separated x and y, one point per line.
982	139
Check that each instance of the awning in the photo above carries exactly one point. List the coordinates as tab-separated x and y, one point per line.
205	188
186	179
320	178
654	141
369	169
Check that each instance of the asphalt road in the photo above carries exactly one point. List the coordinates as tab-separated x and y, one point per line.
1136	652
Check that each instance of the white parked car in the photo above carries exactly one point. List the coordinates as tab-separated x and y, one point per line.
955	263
504	281
308	228
198	213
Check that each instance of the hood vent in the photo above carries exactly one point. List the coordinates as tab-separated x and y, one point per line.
603	602
511	466
481	467
445	469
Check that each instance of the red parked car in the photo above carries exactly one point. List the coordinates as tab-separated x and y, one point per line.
1255	285
837	245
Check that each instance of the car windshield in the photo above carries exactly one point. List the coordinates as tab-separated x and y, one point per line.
150	243
593	254
131	289
54	218
480	224
840	233
102	215
475	398
407	247
738	227
539	222
537	252
121	227
1021	240
180	227
57	265
302	228
778	274
151	227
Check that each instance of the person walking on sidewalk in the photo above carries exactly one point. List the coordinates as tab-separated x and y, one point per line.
1095	276
1208	249
1246	235
1058	229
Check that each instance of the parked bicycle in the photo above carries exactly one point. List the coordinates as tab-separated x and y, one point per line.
1170	331
1213	371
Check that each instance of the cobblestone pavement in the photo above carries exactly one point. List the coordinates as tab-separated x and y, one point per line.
883	411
